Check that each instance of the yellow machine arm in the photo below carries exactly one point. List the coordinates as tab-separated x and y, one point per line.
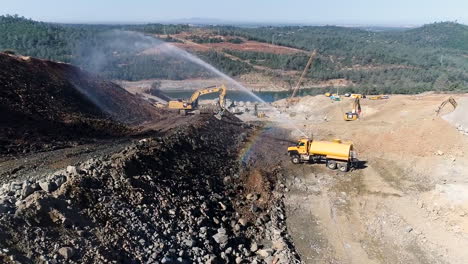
356	106
450	100
192	103
221	90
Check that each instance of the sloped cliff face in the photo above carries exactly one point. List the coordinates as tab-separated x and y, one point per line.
46	105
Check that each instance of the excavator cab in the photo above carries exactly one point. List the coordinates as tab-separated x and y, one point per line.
355	112
350	116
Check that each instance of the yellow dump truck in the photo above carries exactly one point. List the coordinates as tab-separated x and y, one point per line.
336	154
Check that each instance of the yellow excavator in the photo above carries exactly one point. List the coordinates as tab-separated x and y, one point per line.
355	112
192	104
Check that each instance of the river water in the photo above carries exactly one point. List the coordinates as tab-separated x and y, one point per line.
243	96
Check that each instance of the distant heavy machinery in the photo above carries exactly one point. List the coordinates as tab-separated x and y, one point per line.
186	106
377	97
450	100
355	111
333	97
336	154
374	97
357	96
313	54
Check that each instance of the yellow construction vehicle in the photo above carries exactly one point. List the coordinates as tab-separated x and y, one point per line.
355	111
258	114
192	103
357	96
375	97
450	100
336	154
335	97
328	94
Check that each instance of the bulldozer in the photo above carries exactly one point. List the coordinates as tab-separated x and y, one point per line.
191	105
336	154
355	112
450	100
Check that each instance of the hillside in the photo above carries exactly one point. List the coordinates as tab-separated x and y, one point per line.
439	35
432	57
44	102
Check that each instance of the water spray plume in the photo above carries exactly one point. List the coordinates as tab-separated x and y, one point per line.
209	67
138	43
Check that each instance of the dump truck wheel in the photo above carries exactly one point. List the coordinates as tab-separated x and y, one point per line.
343	167
295	159
331	164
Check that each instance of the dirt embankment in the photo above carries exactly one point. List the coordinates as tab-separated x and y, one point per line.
183	198
46	105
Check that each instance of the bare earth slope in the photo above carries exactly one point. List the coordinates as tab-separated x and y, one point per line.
44	102
407	205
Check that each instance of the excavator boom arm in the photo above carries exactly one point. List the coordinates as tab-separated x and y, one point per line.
221	90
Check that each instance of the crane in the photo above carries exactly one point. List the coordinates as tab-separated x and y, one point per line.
313	54
355	112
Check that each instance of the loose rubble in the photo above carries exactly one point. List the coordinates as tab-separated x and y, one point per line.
160	200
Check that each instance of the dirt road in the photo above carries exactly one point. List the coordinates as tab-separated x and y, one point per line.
408	205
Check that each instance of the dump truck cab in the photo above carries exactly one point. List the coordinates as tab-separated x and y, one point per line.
336	154
301	148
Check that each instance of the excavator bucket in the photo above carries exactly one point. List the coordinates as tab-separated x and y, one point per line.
450	100
219	115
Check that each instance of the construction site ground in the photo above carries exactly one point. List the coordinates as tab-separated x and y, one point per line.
408	201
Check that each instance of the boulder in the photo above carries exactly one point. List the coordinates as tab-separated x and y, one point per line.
221	237
48	186
66	252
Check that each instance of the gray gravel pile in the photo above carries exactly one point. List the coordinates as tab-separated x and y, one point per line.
161	200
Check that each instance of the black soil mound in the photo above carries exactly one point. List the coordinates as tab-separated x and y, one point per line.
46	105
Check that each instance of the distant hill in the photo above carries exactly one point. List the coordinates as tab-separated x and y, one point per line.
432	57
439	35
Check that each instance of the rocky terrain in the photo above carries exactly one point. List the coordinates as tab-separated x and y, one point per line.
178	198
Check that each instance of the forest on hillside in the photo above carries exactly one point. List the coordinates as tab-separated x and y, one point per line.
432	57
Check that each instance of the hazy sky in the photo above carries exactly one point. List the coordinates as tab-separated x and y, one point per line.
396	12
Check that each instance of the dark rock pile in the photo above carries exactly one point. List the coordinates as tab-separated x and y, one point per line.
46	105
162	200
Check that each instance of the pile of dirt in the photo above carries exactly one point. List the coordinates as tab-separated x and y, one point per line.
46	105
169	199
